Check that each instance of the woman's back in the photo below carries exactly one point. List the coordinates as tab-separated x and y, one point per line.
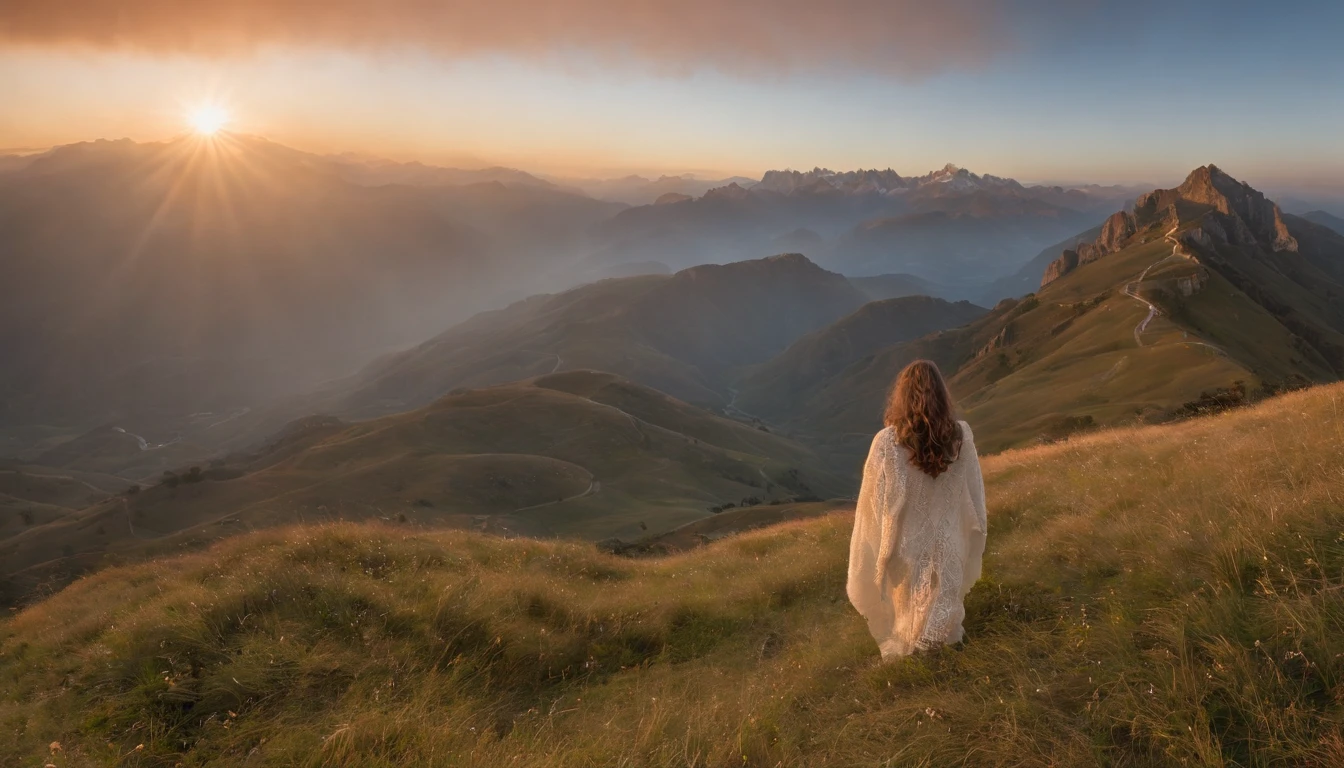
917	545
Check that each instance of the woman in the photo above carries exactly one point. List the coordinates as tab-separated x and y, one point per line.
919	530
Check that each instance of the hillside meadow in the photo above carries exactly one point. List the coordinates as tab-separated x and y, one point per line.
1166	595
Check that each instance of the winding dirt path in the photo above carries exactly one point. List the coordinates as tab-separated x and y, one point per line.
731	408
1132	291
594	486
1132	288
558	361
145	445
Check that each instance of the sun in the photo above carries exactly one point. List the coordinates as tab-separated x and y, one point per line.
207	119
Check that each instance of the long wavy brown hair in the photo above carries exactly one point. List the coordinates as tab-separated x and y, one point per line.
921	413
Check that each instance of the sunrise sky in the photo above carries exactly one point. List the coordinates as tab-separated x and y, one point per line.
1041	90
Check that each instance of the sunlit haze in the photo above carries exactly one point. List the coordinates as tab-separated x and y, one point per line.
1134	93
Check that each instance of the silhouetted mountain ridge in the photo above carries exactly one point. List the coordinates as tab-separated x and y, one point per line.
681	334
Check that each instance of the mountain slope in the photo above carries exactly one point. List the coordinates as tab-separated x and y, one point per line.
794	375
578	454
1140	605
1325	220
680	334
34	495
1203	288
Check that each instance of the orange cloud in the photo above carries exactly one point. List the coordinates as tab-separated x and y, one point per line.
908	37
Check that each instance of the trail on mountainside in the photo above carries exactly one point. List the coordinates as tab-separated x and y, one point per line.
1132	291
145	445
558	361
594	486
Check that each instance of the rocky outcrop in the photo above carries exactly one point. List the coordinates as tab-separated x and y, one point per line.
1117	229
1283	239
1115	233
1191	284
1198	237
1172	220
1066	263
1002	339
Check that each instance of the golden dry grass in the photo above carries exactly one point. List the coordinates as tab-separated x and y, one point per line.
1159	596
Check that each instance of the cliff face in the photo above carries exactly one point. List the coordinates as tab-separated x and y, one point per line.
1066	263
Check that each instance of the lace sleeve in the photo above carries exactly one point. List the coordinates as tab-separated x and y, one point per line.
890	494
975	480
978	524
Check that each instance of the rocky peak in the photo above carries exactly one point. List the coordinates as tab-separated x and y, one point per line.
731	192
1241	215
1209	185
826	181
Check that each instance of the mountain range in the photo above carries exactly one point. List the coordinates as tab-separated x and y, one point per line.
144	283
640	190
1204	288
950	227
203	279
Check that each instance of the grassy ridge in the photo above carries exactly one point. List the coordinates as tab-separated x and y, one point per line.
1155	596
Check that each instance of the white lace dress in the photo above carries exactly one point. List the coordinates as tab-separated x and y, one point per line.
917	546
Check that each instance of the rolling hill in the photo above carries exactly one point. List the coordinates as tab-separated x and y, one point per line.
578	454
1205	288
682	334
793	376
35	495
1141	605
894	286
1325	220
141	284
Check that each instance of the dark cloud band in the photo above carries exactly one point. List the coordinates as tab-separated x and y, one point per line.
892	36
